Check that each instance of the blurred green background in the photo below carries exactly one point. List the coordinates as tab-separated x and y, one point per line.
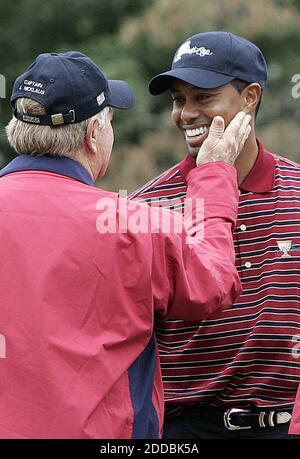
135	39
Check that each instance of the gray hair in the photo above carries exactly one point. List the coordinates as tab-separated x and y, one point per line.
34	140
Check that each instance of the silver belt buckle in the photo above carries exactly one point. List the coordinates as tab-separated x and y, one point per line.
227	420
283	417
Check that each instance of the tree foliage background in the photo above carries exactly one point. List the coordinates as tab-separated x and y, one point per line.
136	39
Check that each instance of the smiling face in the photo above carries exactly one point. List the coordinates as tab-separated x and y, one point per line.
194	109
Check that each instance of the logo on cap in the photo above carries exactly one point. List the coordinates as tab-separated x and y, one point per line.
101	98
186	49
30	119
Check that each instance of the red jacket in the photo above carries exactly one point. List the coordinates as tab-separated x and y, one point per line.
77	308
295	421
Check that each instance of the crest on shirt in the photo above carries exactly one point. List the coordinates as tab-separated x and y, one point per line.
287	246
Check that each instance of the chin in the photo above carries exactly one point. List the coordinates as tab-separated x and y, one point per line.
194	152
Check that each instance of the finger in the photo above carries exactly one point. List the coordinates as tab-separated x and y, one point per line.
243	129
244	138
234	126
216	129
241	142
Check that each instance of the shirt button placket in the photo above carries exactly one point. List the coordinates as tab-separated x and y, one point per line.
243	228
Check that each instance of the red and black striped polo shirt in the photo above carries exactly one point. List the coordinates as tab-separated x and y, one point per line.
250	353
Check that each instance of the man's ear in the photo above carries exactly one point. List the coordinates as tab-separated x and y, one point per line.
250	97
90	137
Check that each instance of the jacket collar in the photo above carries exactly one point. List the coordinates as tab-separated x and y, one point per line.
59	165
260	179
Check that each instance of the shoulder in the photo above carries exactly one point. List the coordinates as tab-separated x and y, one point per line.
166	181
283	162
287	172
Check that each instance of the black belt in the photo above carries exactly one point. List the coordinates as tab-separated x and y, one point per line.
240	418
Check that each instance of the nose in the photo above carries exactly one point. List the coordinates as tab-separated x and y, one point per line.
189	112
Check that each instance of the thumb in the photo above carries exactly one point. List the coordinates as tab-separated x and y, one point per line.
217	128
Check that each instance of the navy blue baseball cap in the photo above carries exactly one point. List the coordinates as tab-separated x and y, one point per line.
71	88
212	59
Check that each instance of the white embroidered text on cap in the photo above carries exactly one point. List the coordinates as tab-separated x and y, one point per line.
186	49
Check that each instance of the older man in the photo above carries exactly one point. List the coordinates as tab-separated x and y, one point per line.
81	280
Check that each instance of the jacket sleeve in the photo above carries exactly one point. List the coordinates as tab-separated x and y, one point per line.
193	270
294	428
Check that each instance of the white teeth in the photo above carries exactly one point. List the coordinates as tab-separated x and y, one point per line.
196	132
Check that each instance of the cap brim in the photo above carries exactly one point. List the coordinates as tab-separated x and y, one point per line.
201	78
121	94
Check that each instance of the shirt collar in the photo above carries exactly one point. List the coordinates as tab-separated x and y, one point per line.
59	165
260	179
